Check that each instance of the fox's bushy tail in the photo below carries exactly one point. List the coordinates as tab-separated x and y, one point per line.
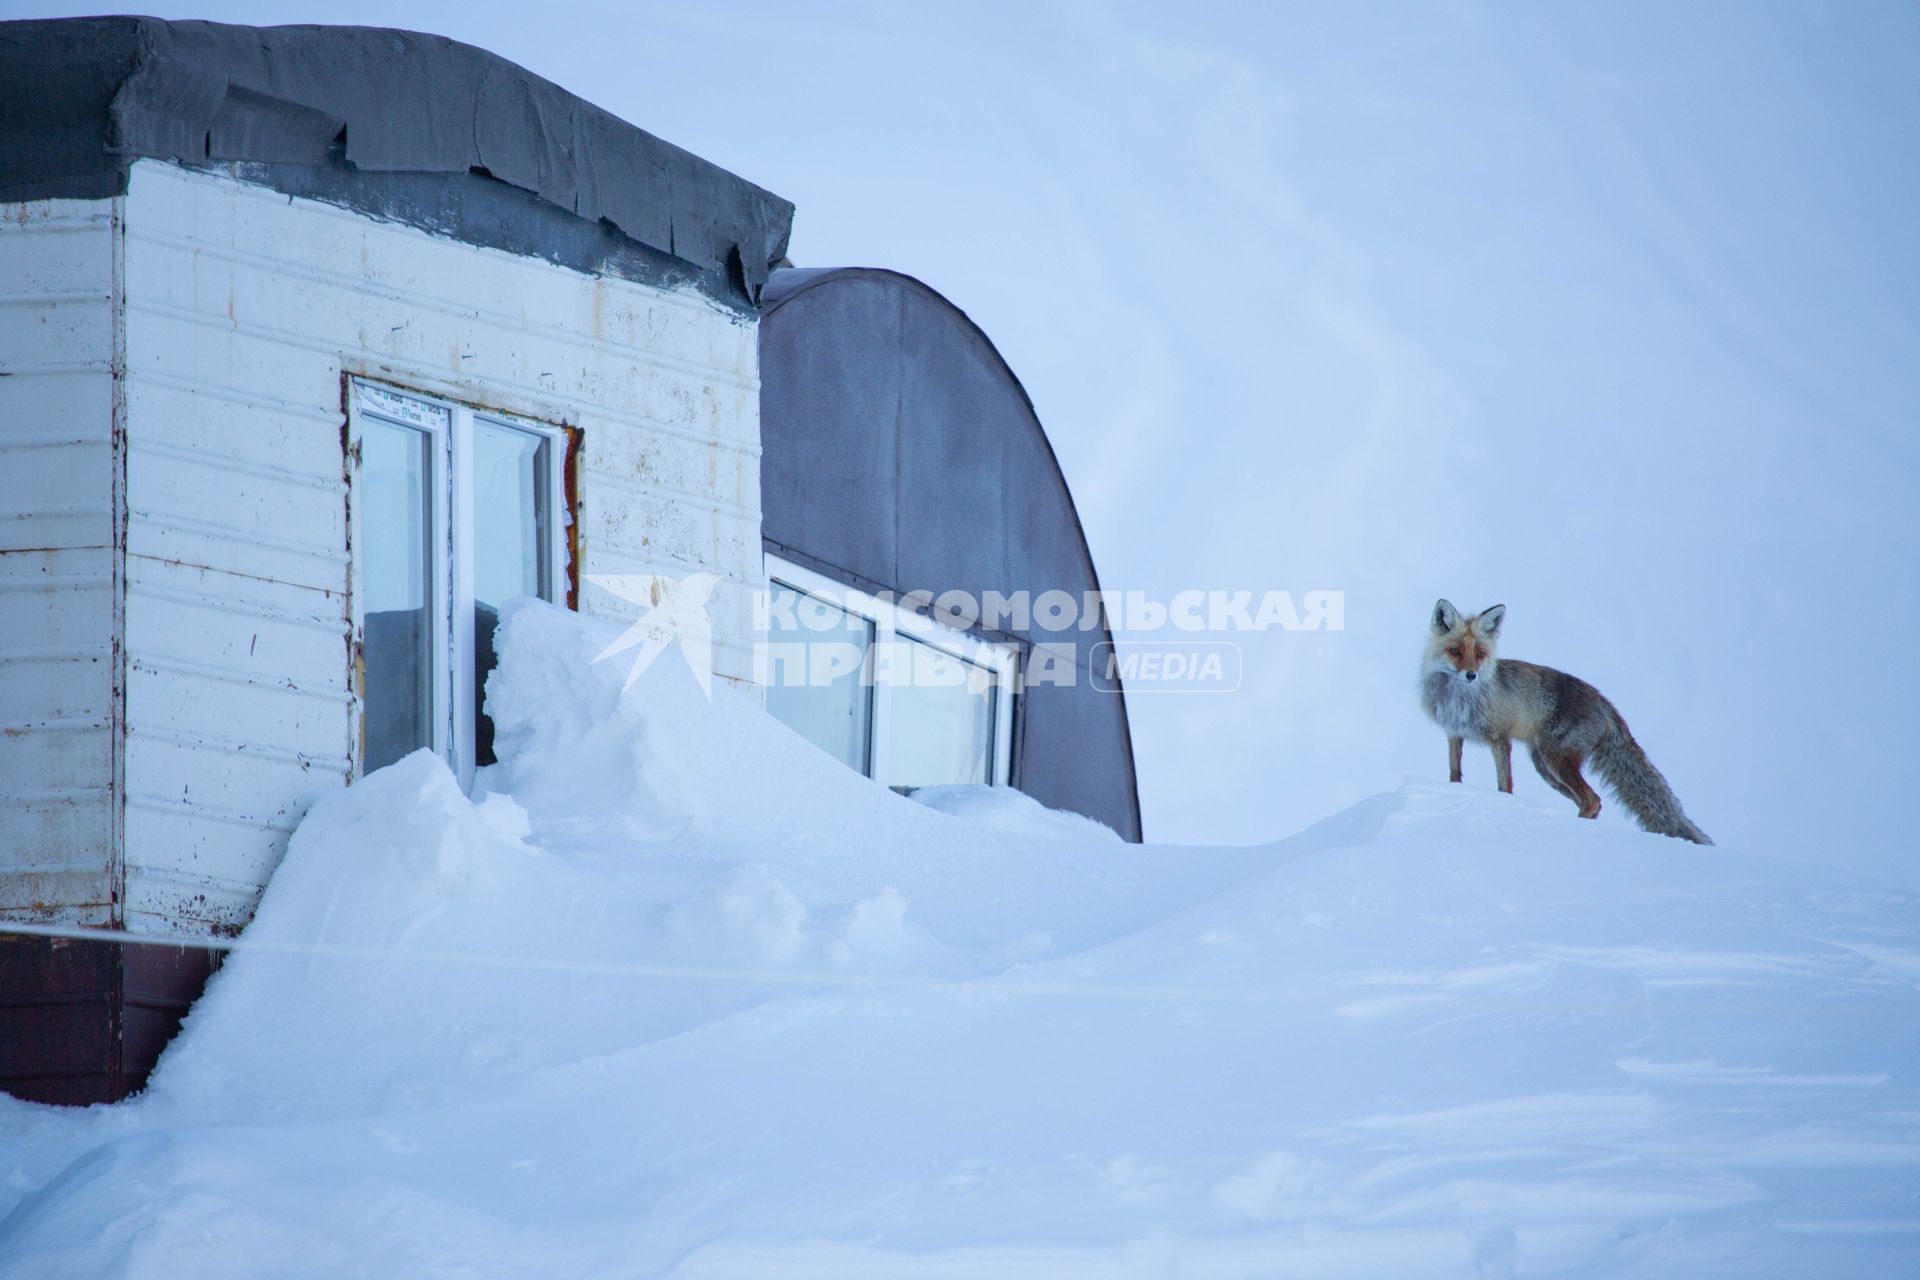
1641	788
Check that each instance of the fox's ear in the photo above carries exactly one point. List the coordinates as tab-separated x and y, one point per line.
1445	616
1490	620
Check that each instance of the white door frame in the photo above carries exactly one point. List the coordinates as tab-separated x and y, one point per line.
449	425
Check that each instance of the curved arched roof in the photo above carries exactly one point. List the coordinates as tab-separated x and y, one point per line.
901	452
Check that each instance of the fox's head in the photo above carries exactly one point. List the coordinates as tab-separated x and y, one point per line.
1463	647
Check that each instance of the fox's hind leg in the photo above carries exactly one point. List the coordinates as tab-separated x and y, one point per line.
1589	798
1546	771
1566	768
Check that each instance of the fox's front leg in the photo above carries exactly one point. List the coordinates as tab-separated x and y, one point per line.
1453	757
1503	764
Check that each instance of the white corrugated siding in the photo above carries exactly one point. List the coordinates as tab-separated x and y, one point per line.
244	311
57	502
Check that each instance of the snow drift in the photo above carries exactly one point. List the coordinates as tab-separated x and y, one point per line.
676	994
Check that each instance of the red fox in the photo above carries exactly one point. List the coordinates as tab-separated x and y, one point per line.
1563	720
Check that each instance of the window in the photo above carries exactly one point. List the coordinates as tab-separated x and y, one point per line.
454	512
828	700
941	722
887	690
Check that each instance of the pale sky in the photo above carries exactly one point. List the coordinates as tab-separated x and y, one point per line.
1609	312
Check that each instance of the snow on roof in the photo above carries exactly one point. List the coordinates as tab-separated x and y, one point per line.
679	994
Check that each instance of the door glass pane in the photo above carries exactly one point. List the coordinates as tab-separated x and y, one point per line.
817	680
394	528
940	729
511	527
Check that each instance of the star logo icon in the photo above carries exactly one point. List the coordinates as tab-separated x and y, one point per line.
674	610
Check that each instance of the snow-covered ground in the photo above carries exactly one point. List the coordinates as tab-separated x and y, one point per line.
678	995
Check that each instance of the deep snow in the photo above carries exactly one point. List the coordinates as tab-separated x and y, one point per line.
679	995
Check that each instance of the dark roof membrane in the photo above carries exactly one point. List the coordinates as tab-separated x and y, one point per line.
901	453
398	124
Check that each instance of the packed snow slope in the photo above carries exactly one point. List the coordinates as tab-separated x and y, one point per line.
679	996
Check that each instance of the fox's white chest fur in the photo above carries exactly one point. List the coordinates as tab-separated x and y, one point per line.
1456	706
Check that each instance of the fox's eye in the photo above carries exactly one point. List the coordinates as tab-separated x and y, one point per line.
1454	652
1480	652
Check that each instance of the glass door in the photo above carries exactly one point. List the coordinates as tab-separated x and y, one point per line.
453	513
398	558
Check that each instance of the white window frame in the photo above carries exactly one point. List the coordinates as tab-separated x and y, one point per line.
891	619
449	425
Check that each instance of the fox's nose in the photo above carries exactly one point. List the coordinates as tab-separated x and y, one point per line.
1472	676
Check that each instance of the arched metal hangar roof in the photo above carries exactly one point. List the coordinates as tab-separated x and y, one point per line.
901	453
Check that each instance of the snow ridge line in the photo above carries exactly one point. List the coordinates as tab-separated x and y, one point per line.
985	984
1362	986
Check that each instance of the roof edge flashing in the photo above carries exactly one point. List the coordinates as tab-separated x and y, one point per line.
369	111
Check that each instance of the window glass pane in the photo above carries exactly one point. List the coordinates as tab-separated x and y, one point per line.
511	527
394	527
940	728
817	679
